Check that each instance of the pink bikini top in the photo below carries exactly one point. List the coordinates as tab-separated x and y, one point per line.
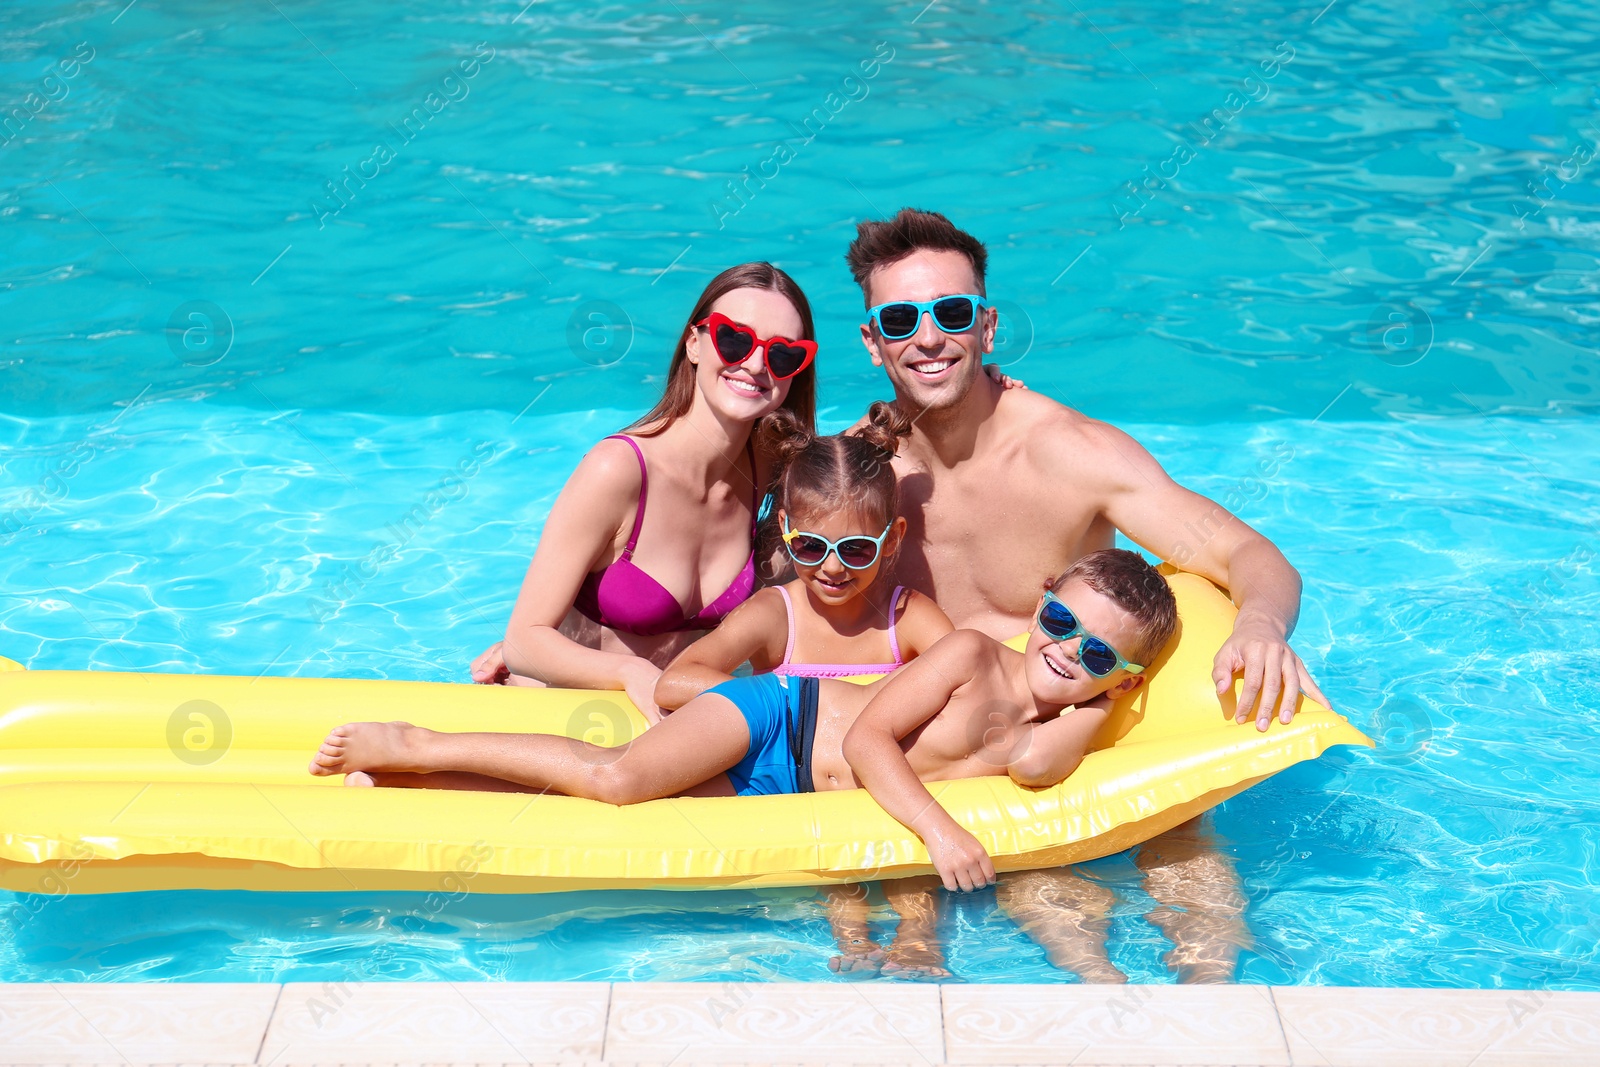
623	597
837	670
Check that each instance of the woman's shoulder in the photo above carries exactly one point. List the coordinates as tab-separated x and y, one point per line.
607	481
613	460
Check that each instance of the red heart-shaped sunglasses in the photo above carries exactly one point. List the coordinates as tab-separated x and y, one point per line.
735	342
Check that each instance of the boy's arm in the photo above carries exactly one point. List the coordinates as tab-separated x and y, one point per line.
749	630
1055	748
912	696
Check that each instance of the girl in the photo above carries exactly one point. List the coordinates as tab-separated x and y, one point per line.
650	542
836	518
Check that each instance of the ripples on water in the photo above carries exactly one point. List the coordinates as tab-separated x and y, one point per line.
1326	279
1383	170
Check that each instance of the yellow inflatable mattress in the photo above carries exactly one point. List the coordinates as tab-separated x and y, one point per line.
114	782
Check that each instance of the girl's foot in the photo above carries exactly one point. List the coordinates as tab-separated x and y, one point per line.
917	961
367	746
857	957
360	779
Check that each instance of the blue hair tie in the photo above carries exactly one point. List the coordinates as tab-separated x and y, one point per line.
765	509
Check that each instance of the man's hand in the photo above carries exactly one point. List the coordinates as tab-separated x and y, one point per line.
961	862
1271	671
639	682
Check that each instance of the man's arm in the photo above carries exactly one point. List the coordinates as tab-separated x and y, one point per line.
913	695
1202	536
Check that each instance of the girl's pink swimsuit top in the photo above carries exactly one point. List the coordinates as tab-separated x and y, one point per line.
837	670
623	597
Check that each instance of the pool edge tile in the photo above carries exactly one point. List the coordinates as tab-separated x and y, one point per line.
606	1025
437	1022
745	1022
1106	1025
1378	1027
144	1022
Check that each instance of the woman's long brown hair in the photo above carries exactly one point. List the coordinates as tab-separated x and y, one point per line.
678	396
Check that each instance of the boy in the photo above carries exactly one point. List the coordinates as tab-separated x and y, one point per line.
970	706
1122	601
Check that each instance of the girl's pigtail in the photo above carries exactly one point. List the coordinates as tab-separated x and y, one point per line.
782	436
884	427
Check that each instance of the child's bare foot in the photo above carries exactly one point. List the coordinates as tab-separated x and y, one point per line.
358	778
857	957
917	962
367	746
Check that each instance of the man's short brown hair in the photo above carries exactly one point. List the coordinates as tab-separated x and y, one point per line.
879	244
1135	587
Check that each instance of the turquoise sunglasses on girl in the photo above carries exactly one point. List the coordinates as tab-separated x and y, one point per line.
858	552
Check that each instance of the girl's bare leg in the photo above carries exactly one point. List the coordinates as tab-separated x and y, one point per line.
916	951
848	913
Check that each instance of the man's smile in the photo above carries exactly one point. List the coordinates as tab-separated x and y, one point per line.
932	370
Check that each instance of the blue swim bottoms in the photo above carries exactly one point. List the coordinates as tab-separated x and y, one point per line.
781	713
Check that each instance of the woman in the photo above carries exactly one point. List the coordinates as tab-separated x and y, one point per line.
650	543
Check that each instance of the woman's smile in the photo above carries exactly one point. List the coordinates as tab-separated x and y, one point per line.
741	386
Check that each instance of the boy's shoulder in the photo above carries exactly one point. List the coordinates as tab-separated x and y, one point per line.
968	645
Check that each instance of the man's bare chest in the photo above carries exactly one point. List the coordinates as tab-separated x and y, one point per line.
984	546
1006	523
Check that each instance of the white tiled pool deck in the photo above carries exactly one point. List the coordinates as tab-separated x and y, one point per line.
862	1023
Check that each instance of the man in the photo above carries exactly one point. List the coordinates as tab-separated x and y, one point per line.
986	532
972	468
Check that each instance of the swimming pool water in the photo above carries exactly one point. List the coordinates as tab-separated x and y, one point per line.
1335	288
1419	160
1448	612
